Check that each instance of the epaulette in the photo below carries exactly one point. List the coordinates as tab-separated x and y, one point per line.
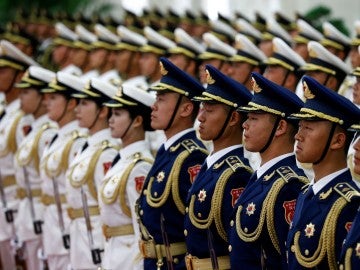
287	173
77	135
106	144
48	126
189	145
234	163
347	191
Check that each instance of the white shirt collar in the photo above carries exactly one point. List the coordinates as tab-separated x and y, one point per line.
325	180
177	136
212	158
266	166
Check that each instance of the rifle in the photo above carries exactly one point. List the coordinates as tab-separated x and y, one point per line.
214	260
95	252
37	223
65	236
169	259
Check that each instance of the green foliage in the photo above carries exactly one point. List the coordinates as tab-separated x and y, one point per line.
319	14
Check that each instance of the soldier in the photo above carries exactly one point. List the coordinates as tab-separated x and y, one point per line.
350	252
325	210
161	205
56	157
222	177
13	128
128	57
245	28
157	46
123	182
263	212
85	173
305	33
184	54
283	67
29	219
217	54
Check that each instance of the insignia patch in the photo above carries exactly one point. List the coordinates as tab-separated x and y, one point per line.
106	166
268	176
160	177
139	182
193	172
250	209
202	195
235	194
256	88
348	226
209	79
289	207
357	250
309	230
307	92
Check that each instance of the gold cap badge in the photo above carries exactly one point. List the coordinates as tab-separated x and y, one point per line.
307	93
256	88
209	79
119	91
163	71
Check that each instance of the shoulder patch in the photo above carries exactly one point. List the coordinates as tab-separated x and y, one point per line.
234	162
189	145
347	191
287	173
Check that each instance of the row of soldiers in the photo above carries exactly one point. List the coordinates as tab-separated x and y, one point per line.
230	195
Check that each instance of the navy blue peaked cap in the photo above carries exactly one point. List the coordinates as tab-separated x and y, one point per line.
175	80
222	89
272	98
323	103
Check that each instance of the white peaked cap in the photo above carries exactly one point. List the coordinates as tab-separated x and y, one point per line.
126	35
332	33
105	34
157	39
63	31
274	28
85	35
316	50
138	94
104	87
307	31
246	28
280	47
223	28
243	44
186	44
70	80
11	51
214	43
41	74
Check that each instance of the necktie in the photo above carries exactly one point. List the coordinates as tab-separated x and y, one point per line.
84	147
115	160
53	139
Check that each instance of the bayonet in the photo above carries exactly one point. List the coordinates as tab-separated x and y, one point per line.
169	259
214	260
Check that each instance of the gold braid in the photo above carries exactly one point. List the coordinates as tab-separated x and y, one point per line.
11	139
348	259
200	223
327	239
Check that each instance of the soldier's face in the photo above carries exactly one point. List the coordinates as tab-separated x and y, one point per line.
86	113
149	64
354	56
55	104
59	53
356	159
163	109
356	91
212	118
275	74
311	139
30	100
119	123
7	75
122	61
240	71
257	130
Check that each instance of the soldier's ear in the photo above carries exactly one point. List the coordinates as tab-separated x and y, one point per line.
186	108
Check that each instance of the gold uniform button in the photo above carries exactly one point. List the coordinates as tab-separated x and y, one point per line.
245	229
231	223
307	252
141	212
199	214
145	191
176	260
292	248
185	232
187	209
230	248
341	267
155	194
